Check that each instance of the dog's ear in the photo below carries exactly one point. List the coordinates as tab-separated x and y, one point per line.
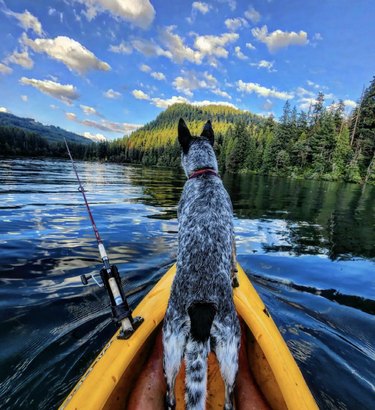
184	136
208	132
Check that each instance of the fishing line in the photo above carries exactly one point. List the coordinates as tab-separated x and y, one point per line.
121	313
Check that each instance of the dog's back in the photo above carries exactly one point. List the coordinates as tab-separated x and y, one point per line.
205	235
201	312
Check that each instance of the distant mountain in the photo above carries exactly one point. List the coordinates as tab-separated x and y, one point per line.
163	129
49	132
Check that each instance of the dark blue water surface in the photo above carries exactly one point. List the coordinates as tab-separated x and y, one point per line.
308	246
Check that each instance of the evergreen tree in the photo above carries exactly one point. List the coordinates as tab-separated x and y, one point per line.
364	133
341	154
239	153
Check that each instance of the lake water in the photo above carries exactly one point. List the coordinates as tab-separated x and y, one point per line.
308	247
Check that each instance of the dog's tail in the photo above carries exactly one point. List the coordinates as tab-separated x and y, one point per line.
196	352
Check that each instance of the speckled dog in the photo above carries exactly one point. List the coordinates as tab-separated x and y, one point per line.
201	315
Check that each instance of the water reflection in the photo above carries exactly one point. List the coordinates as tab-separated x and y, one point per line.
307	245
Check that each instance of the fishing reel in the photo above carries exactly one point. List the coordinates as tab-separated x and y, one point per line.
121	312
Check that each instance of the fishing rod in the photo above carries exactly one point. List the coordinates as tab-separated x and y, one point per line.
121	313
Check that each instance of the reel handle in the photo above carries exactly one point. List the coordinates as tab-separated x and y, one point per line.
85	279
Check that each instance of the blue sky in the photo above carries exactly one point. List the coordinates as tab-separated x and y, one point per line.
105	67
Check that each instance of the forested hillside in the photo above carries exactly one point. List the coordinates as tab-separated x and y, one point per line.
18	142
50	132
322	143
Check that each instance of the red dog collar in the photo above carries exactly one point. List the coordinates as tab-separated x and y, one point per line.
205	171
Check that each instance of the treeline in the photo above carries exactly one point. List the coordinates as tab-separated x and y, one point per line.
18	142
320	144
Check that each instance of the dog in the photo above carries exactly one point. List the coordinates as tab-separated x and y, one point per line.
201	315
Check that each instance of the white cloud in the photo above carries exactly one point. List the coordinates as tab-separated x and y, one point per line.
3	109
89	110
140	95
70	116
104	125
141	13
268	104
178	51
239	54
145	68
201	7
20	58
26	20
24	98
122	48
250	46
95	137
112	94
215	45
190	81
252	15
59	14
4	69
301	92
304	103
235	23
231	3
350	103
316	86
221	93
70	52
279	39
158	76
318	37
262	91
268	65
167	102
63	92
174	47
150	48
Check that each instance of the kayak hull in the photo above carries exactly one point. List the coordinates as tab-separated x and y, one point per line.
109	380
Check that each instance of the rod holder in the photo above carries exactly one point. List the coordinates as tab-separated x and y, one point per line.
119	304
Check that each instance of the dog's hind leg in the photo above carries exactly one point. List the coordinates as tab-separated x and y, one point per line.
174	341
226	346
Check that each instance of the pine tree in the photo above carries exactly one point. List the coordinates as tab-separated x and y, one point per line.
236	160
341	154
364	134
339	115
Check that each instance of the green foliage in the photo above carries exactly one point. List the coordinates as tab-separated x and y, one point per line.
320	144
363	130
341	154
18	142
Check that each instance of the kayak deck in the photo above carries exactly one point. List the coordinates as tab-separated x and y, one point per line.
117	367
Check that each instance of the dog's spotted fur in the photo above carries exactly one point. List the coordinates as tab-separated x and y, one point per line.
201	315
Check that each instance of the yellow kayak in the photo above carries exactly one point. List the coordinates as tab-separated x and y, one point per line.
109	380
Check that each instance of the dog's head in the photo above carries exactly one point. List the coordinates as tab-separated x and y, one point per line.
197	152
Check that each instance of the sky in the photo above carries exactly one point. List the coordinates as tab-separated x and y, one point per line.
103	68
